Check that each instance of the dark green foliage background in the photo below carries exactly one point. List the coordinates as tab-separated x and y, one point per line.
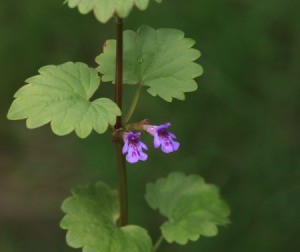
239	131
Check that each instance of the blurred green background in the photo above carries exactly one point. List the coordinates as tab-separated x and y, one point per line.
239	131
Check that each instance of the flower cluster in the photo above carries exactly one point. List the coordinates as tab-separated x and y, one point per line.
134	147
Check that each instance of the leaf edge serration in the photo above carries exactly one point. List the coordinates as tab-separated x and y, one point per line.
35	87
154	204
172	86
92	194
103	17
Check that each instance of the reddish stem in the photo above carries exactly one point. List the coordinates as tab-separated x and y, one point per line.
118	143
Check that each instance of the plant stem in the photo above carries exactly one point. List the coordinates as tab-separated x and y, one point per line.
119	143
158	243
122	184
133	103
119	71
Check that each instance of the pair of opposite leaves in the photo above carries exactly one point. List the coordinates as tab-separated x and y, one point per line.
192	207
162	60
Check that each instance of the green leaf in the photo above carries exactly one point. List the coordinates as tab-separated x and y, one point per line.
105	9
193	208
91	215
161	59
60	95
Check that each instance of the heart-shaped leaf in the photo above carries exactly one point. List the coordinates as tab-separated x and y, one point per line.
91	215
60	95
193	208
161	59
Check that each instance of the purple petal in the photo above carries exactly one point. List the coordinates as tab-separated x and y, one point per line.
132	157
156	141
175	145
150	129
125	147
143	156
167	147
172	135
167	124
144	146
163	126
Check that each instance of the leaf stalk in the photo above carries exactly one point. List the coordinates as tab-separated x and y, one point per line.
158	243
133	103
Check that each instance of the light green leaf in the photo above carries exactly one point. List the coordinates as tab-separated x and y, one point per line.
105	9
161	59
60	95
193	208
91	215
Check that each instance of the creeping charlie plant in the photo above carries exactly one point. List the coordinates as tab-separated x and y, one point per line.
161	61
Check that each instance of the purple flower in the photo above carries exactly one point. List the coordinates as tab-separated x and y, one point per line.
134	147
162	137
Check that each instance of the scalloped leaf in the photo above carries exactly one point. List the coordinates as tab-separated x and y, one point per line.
161	59
60	95
91	215
105	9
193	208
